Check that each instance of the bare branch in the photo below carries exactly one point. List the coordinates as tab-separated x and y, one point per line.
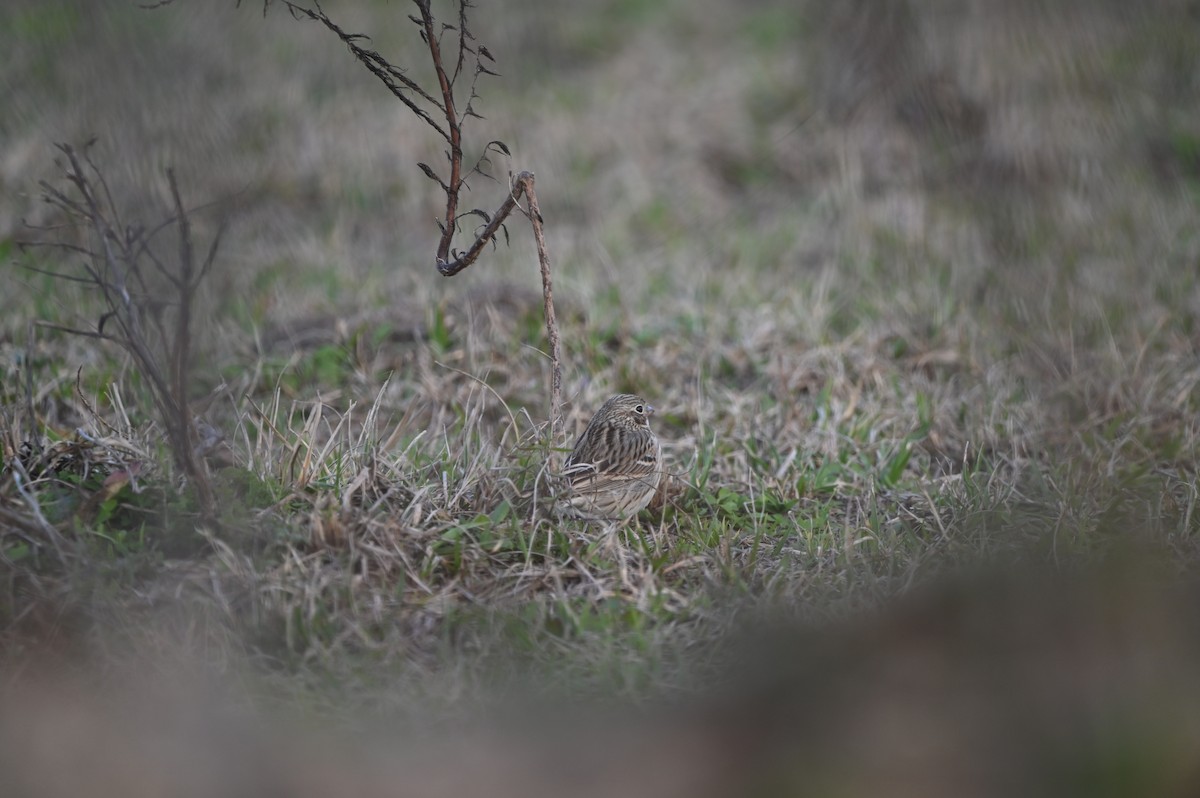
75	331
115	267
451	268
463	35
449	260
60	276
212	254
112	206
396	81
455	129
182	341
525	181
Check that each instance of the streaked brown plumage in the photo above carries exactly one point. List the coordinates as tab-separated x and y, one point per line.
616	465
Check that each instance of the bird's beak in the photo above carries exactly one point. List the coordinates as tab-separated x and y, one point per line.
649	410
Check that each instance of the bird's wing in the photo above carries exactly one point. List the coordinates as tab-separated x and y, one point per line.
603	483
599	470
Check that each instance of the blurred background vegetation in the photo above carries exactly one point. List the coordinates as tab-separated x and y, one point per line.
914	284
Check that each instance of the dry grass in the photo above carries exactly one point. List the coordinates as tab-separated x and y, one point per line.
915	292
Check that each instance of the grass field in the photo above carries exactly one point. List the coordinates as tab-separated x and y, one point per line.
913	286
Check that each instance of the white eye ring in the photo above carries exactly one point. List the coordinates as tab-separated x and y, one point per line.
638	409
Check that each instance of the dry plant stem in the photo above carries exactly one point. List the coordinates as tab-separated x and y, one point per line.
525	183
186	282
487	234
454	125
43	527
414	97
392	77
448	260
117	268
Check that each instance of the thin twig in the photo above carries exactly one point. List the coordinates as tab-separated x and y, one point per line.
525	181
74	331
449	269
117	269
455	127
396	81
20	477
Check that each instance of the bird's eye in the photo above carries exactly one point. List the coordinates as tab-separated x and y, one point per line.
639	409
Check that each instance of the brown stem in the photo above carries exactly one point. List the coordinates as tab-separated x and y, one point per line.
467	258
163	357
525	182
181	361
182	342
435	52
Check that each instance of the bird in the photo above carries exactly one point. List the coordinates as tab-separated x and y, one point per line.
614	470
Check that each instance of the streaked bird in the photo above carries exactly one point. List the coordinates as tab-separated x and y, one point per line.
615	467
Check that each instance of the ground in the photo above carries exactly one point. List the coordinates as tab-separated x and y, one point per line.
912	285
